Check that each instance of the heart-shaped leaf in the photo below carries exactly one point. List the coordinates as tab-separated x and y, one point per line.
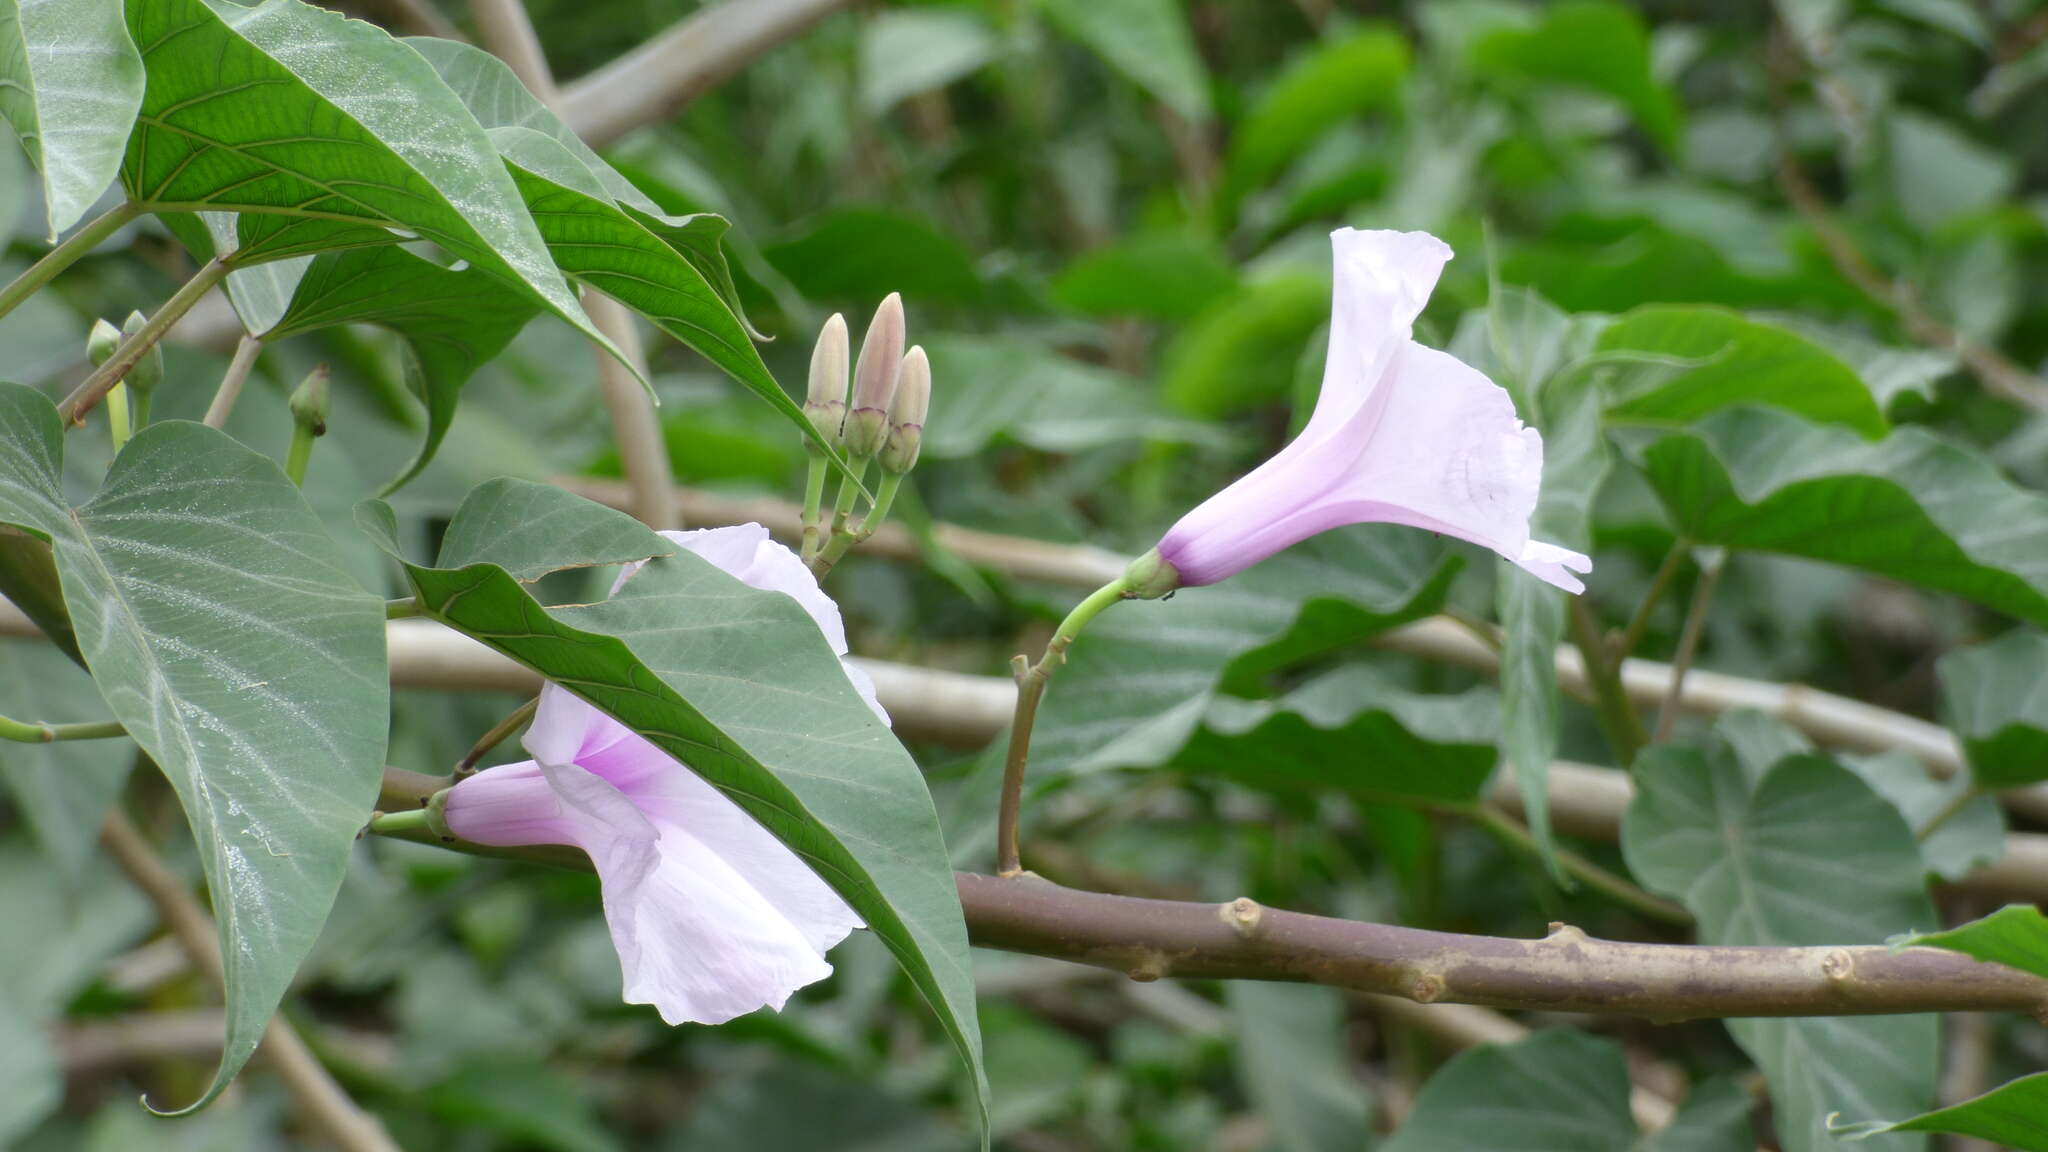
70	83
223	631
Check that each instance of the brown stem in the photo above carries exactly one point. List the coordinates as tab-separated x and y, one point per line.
513	722
132	350
1565	971
323	1101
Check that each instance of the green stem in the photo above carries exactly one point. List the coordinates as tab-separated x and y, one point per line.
1616	888
1639	624
1947	812
403	608
849	491
1618	717
814	501
27	732
1031	681
300	455
843	542
1689	641
496	736
133	349
117	417
66	254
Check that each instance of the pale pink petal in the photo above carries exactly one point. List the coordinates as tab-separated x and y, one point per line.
1555	565
746	553
507	806
695	938
1381	281
1449	455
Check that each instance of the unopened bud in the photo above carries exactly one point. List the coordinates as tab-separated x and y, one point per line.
148	371
309	402
102	342
825	403
874	380
907	412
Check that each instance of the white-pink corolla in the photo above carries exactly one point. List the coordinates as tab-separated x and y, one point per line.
1401	434
712	916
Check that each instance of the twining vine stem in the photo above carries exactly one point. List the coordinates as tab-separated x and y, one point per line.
1565	971
1031	681
132	350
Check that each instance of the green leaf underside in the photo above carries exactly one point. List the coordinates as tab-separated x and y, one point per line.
1557	1091
223	631
2012	1116
1532	613
2015	936
332	126
1697	360
452	321
740	685
1912	507
531	529
1791	850
1995	697
70	83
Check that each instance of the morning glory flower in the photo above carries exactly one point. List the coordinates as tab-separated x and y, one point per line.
1401	434
712	916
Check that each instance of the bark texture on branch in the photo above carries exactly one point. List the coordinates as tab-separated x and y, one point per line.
1566	971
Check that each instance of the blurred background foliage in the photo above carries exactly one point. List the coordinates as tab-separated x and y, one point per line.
1109	219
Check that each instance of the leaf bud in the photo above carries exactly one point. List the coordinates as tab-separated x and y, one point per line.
102	342
874	380
907	412
309	402
148	371
825	403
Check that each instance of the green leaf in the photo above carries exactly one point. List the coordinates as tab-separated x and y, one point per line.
740	685
1590	44
1147	40
1330	82
70	83
1966	838
62	790
997	386
863	254
903	53
2015	936
452	322
1714	1118
29	1068
2013	1116
1995	697
531	529
223	631
1554	1092
1292	1061
1427	748
1684	362
1576	460
1161	275
1791	850
1912	507
1241	350
325	132
600	243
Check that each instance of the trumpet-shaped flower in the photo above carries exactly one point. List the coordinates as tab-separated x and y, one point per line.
712	916
1401	434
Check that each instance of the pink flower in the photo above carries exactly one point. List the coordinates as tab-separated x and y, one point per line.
1401	434
712	916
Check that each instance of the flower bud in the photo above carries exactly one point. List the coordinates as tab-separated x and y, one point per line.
907	412
825	403
148	371
874	380
309	402
101	342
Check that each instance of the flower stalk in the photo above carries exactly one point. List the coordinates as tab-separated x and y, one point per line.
34	732
1031	682
309	405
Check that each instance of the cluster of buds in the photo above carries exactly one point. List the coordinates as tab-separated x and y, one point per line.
881	415
877	417
129	405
